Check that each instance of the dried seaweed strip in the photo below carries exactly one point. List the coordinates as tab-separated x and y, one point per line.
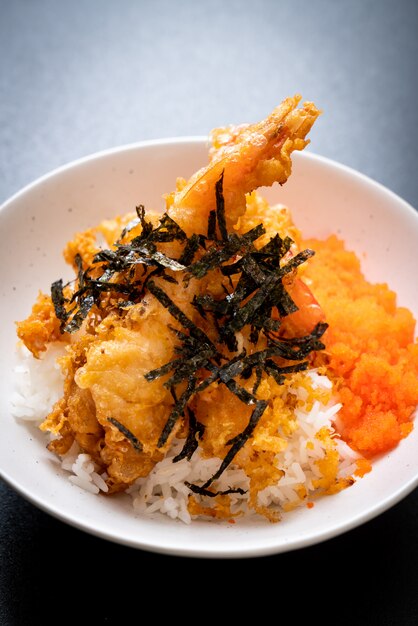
162	371
169	279
83	310
196	431
167	262
190	249
125	431
117	261
315	334
282	300
212	225
167	230
245	287
59	300
148	254
298	348
177	411
189	366
276	247
239	441
80	274
242	394
245	314
147	227
220	207
178	314
207	302
253	270
212	259
258	376
231	268
88	295
202	491
295	261
216	256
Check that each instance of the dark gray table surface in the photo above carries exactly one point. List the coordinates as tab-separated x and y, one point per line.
77	77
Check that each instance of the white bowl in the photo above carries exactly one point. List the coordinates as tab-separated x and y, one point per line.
324	197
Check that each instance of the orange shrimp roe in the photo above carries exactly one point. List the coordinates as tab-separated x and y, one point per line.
370	349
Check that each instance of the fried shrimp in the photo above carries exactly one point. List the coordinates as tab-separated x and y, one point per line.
250	156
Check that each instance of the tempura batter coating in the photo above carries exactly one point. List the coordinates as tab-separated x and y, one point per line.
41	327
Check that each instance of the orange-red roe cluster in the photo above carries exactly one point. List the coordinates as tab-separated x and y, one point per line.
370	349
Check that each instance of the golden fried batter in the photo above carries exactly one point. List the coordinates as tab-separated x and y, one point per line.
41	327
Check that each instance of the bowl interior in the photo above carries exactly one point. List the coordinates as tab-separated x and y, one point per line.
324	197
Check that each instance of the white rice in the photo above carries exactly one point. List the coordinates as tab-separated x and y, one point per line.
164	490
32	399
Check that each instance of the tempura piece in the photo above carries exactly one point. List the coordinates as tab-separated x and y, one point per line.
250	156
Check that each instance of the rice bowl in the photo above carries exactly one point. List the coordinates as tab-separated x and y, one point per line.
81	188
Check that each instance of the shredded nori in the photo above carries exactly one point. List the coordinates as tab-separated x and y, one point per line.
112	271
59	300
202	491
196	430
125	431
220	207
255	298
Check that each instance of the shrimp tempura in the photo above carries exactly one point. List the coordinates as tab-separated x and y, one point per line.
251	156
